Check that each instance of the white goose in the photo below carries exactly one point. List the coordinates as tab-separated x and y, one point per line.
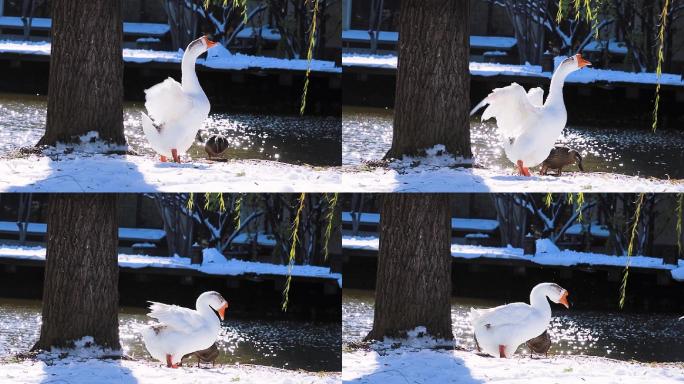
176	111
182	330
500	330
529	127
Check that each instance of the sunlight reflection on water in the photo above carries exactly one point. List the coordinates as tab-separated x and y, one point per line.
624	336
367	135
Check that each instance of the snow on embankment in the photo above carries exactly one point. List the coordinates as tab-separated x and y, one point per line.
585	76
217	57
213	263
411	365
547	254
440	172
89	172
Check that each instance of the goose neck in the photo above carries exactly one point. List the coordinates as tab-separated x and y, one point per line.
556	87
539	300
189	79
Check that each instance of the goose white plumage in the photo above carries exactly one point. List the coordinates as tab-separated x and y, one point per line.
175	111
500	330
181	331
529	127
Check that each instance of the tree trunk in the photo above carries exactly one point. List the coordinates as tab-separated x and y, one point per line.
433	82
413	285
85	91
80	293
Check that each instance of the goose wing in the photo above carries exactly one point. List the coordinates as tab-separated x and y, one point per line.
179	318
166	102
513	108
511	314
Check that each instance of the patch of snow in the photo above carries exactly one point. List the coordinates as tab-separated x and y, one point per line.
584	76
108	371
457	223
403	177
262	238
477	236
123	173
678	273
237	61
546	246
84	348
147	40
156	29
130	234
547	256
492	42
411	365
214	263
144	245
266	32
614	47
415	338
88	143
495	53
482	42
597	230
358	35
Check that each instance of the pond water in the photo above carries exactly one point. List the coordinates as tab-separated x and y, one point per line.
367	135
293	139
283	344
615	335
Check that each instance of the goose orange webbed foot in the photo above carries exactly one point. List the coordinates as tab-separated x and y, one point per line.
169	363
522	170
502	351
174	153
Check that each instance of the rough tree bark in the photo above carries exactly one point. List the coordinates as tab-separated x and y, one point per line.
80	293
433	82
413	286
85	90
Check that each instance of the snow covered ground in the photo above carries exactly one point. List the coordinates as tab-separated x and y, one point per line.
547	254
103	371
416	365
125	173
213	263
585	76
217	57
426	175
90	364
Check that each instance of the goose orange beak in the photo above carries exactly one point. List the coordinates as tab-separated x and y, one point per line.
209	42
564	299
581	61
222	311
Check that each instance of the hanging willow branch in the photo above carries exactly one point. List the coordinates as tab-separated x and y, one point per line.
309	55
548	199
293	248
678	227
330	217
630	250
659	69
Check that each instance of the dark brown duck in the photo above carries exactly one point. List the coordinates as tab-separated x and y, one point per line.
560	157
540	344
206	356
216	145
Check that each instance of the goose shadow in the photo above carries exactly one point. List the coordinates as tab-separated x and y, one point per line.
417	366
93	370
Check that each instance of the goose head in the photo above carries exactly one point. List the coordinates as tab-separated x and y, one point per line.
572	64
199	46
556	293
213	300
